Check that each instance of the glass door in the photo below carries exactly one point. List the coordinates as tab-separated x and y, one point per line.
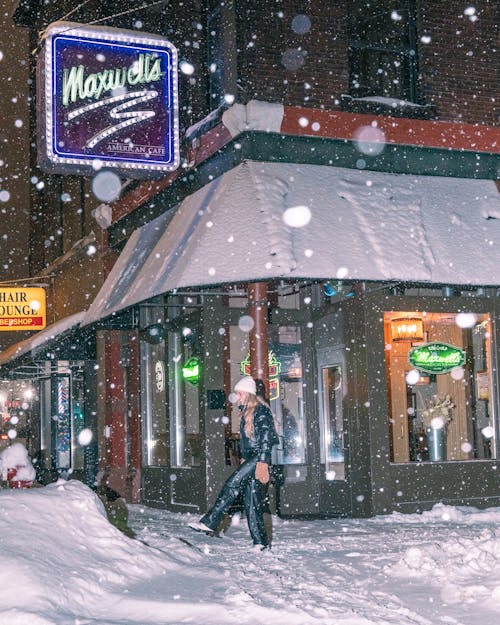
184	376
334	490
332	431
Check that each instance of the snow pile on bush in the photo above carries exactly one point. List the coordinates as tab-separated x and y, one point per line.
60	559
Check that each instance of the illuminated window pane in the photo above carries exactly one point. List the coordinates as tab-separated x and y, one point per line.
440	393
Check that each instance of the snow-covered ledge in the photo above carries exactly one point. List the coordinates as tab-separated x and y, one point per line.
255	115
379	105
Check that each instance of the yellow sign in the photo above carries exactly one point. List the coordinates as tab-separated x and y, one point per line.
22	309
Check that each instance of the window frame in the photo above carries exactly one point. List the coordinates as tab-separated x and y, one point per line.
407	51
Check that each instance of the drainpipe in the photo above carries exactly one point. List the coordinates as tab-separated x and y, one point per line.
259	351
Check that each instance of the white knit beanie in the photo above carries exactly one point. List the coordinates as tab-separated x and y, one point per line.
246	385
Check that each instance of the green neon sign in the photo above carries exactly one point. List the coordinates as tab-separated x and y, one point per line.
191	371
436	357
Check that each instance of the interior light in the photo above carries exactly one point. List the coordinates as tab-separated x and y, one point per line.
407	329
295	369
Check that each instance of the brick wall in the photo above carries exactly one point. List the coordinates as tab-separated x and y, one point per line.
459	67
277	63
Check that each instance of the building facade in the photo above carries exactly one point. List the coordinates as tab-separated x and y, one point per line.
332	230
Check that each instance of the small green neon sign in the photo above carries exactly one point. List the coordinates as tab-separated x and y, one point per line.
436	357
191	371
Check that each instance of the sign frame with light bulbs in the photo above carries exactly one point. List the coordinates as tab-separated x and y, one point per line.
22	309
109	99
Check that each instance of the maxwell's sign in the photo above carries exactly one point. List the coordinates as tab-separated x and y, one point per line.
110	100
22	309
436	357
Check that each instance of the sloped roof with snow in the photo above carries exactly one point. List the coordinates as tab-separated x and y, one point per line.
44	336
366	225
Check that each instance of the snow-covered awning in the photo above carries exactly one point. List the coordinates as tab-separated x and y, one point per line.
54	331
363	225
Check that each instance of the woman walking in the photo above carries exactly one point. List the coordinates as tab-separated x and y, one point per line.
257	437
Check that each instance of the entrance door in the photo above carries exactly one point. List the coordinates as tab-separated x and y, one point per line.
297	455
295	463
185	412
313	450
334	494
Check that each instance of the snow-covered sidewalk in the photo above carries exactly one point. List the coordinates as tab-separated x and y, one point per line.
62	563
439	567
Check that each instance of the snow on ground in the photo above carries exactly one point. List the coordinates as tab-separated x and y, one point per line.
62	563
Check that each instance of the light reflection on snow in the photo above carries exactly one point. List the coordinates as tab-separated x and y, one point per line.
369	140
412	377
437	423
457	373
293	58
301	24
106	186
245	323
85	437
297	216
488	432
186	68
466	320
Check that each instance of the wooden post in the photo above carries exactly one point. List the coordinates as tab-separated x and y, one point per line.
259	351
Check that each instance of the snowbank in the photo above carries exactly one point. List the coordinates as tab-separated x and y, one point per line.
60	560
63	563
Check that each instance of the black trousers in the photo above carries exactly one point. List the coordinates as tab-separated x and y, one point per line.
242	481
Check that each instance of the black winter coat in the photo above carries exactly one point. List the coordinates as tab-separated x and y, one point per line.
264	436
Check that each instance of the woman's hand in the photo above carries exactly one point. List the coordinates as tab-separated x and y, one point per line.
262	472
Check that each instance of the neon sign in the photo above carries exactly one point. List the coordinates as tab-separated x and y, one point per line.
274	373
191	371
436	357
110	100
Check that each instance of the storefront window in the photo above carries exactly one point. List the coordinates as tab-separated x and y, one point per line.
183	377
287	395
439	382
45	419
154	410
285	390
61	411
332	452
78	417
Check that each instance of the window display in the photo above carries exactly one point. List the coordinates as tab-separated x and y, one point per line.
439	386
183	400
